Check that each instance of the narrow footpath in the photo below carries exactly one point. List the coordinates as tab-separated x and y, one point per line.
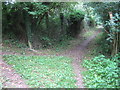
77	53
10	78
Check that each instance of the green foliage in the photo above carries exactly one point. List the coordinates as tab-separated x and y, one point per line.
43	71
63	45
47	29
15	43
103	8
104	46
46	41
75	15
37	9
110	18
102	72
114	27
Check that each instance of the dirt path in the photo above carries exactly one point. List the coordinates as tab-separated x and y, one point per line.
11	78
77	53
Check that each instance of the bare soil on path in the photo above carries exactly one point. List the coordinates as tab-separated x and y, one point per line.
10	78
77	53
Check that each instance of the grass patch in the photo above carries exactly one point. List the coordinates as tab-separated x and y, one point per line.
89	32
44	71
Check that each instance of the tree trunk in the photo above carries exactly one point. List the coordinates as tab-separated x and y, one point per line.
28	29
115	45
47	20
47	24
61	18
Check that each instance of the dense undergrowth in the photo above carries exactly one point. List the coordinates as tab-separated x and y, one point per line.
102	69
15	43
104	46
102	72
44	71
58	47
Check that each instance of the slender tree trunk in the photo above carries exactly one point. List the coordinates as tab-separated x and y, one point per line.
47	20
115	48
114	40
47	24
62	31
61	18
28	29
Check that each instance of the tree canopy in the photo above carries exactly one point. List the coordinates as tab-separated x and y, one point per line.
51	20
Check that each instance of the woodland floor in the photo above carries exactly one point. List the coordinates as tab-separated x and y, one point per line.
77	52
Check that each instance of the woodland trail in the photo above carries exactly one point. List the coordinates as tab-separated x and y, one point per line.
77	53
